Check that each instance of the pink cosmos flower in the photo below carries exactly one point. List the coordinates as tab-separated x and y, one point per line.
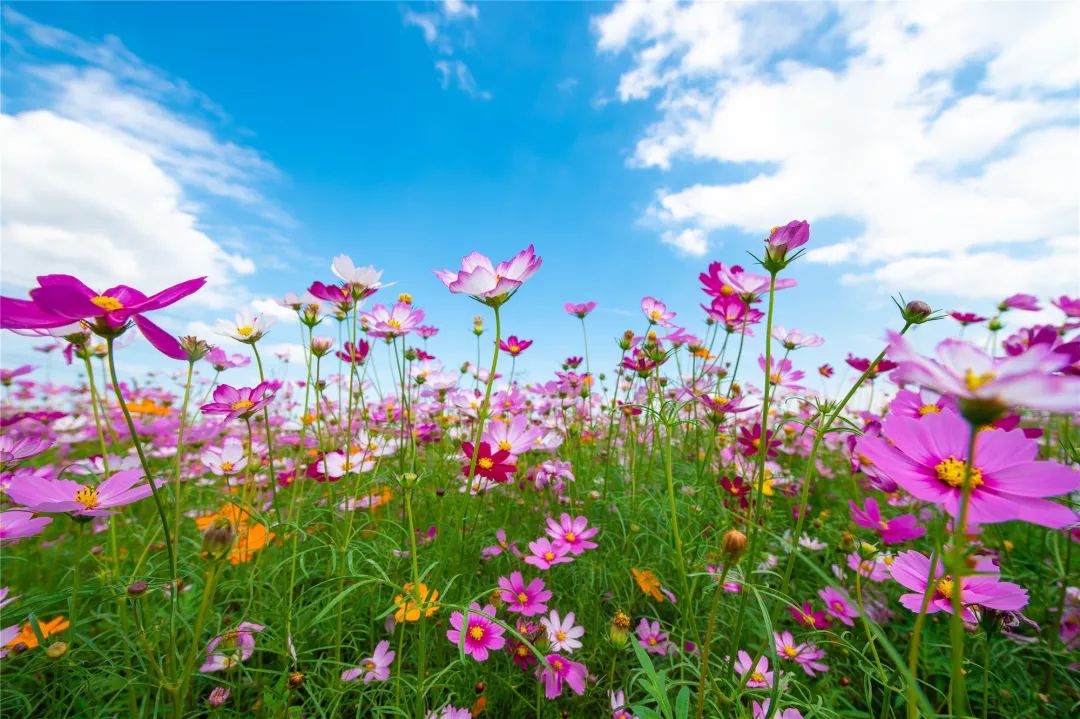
353	353
780	372
747	286
545	554
375	668
1020	301
62	299
967	318
232	648
427	331
449	712
656	312
221	360
759	674
893	531
795	339
517	436
218	696
876	569
862	364
7	376
927	458
16	524
573	532
491	285
618	705
526	599
579	309
502	545
650	637
560	670
481	635
360	281
761	711
809	617
911	569
514	346
1069	305
65	495
805	654
781	240
15	449
242	402
562	633
965	372
838	605
397	321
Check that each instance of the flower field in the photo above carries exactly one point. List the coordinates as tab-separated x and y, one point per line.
695	532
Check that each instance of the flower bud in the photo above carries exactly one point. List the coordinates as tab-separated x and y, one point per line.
321	345
56	650
137	589
296	680
478	325
195	348
916	312
218	538
619	633
994	324
405	298
732	545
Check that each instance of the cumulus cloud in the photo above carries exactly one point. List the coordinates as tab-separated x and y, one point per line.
946	132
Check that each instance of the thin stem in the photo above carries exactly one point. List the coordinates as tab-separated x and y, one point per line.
957	569
482	414
269	440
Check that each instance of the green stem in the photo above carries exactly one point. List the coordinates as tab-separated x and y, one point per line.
714	606
269	440
957	570
482	415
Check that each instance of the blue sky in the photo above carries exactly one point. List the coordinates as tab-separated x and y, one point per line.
631	144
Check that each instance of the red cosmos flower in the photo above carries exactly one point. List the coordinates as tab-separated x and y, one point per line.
488	465
825	370
808	617
750	440
862	364
514	346
354	353
737	488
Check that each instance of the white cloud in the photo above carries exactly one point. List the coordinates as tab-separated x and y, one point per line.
79	200
692	241
456	73
934	169
459	8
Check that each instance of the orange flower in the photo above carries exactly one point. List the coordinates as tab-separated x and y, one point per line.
407	608
250	536
27	636
648	583
147	406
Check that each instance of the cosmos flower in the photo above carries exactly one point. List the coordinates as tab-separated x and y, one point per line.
761	711
911	569
231	458
239	403
361	281
65	495
247	327
927	458
656	312
758	674
750	441
1020	301
1069	305
986	384
7	376
397	321
514	346
491	285
354	353
375	668
501	546
795	339
559	671
493	466
967	318
781	373
650	637
16	524
838	605
825	370
221	360
525	599
407	608
809	617
480	634
618	705
893	531
579	309
650	585
574	532
218	696
805	654
449	712
516	437
545	554
27	637
862	364
562	633
782	240
232	648
14	449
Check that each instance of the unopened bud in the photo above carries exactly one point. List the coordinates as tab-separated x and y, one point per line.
619	633
56	650
732	545
195	348
218	538
321	345
137	589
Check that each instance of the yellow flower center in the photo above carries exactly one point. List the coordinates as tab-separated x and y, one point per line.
476	632
929	409
975	381
515	348
369	665
243	404
87	497
504	446
758	677
523	651
570	537
394	323
951	472
557	665
109	304
656	315
726	291
226	466
522	597
652	641
945	587
245	331
791	652
486	463
863	459
883	524
549	555
560	635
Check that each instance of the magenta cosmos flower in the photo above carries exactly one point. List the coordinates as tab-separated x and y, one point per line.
1069	305
239	402
987	384
231	648
1020	301
650	637
967	318
525	599
62	299
838	605
513	345
64	495
18	524
397	321
579	309
892	531
480	635
375	668
559	671
489	284
782	240
927	458
805	654
656	312
15	450
911	570
574	532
